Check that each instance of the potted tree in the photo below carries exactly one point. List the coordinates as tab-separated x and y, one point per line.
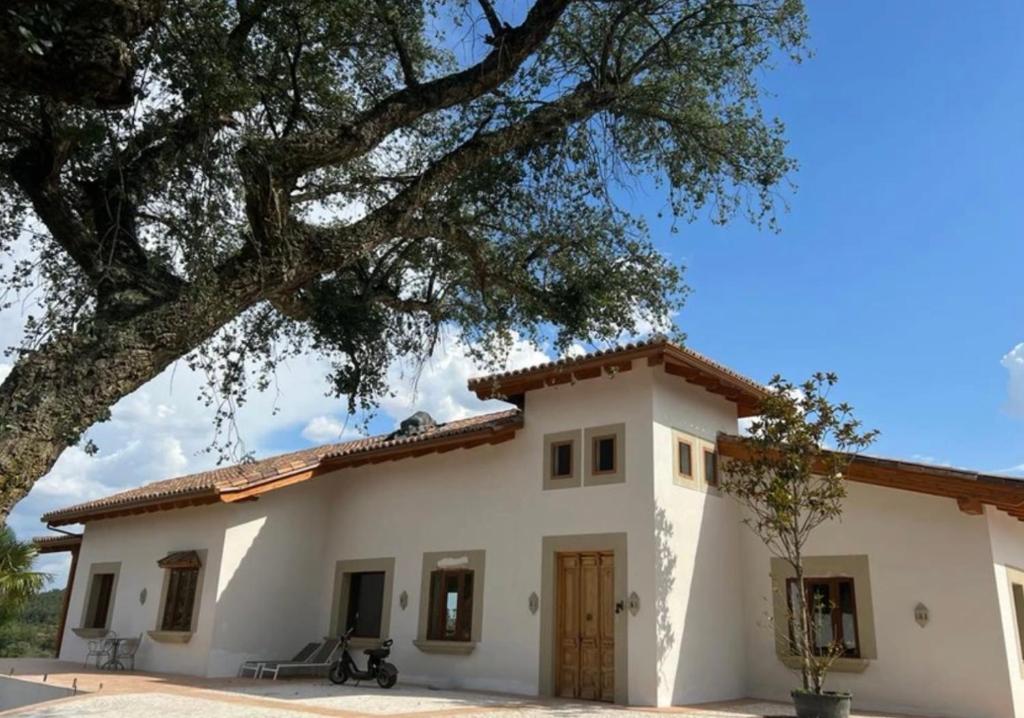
789	477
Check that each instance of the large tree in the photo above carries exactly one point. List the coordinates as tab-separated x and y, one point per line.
233	182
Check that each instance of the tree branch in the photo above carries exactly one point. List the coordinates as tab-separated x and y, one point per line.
304	152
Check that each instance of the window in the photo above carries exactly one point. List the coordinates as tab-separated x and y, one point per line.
604	454
685	458
101	591
561	460
181	597
451	605
451	601
710	468
181	587
832	607
1018	608
365	603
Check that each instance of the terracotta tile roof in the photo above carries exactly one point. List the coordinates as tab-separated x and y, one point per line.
969	488
212	484
705	371
620	351
56	543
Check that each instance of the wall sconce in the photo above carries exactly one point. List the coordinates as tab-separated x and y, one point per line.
403	600
634	604
921	614
534	602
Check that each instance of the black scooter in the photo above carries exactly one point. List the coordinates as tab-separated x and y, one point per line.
345	669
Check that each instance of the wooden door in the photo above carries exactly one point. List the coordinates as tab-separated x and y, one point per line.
585	665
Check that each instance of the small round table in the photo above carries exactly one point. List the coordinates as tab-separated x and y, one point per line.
114	664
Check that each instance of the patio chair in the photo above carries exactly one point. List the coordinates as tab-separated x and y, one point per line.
99	648
254	667
316	664
128	649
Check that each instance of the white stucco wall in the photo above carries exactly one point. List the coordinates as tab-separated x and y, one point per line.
920	549
491	498
138	542
700	642
268	590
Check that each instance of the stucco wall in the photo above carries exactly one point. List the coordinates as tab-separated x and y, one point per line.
138	542
268	590
491	498
1007	536
920	549
699	586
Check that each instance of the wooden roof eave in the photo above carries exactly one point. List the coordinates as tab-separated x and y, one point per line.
163	503
970	490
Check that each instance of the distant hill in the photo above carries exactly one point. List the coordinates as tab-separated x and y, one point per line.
34	632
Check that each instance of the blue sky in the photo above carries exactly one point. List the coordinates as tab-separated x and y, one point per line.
899	266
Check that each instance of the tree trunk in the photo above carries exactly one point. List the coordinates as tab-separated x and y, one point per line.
54	393
802	629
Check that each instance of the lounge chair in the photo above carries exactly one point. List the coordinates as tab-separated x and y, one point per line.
316	664
253	668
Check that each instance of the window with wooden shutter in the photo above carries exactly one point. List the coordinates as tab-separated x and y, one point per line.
451	605
832	608
182	582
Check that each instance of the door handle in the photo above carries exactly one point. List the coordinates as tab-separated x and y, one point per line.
620	606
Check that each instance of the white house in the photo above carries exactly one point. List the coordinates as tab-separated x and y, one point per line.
573	545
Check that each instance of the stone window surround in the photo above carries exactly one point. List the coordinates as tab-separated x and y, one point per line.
562	482
162	636
851	566
698	446
113	567
476	560
618	474
343	571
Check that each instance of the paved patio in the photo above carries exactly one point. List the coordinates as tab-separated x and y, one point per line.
110	695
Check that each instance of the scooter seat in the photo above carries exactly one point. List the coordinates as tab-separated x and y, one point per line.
377	652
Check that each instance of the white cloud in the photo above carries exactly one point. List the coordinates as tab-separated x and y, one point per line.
1013	362
323	429
439	386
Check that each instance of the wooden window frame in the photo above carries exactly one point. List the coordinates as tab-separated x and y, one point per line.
553	447
833	583
437	619
595	454
710	480
169	621
680	442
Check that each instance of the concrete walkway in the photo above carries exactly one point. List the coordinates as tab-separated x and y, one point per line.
110	695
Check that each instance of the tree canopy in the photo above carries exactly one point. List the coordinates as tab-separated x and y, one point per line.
236	182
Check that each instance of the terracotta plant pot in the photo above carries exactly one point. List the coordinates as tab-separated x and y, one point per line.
821	705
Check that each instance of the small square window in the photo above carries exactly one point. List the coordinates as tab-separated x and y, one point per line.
710	468
685	466
604	454
561	460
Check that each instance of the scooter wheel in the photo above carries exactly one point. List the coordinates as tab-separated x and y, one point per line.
338	674
387	677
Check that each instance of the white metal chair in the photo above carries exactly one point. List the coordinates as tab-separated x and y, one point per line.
128	649
98	648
